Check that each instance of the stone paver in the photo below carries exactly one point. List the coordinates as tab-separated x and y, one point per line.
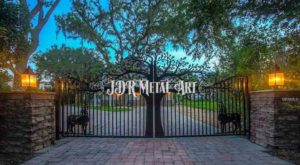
155	151
164	151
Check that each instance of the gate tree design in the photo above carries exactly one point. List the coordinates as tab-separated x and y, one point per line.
157	67
218	109
137	37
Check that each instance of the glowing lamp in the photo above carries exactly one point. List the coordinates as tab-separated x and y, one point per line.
169	93
276	77
28	79
117	94
137	93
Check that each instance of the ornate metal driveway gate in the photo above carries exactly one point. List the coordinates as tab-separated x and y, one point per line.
220	109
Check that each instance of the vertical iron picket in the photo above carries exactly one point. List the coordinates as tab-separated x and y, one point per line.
194	114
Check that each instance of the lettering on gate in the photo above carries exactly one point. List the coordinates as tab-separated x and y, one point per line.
146	87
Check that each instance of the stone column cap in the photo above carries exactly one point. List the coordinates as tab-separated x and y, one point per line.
20	95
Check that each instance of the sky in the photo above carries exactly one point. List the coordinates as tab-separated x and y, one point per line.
50	37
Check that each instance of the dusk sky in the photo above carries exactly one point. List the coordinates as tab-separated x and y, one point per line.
49	36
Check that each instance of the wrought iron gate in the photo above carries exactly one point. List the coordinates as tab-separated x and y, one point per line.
87	112
219	109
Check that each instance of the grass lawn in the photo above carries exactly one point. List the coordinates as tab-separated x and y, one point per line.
112	108
201	104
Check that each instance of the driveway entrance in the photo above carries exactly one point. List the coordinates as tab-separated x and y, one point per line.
85	109
155	151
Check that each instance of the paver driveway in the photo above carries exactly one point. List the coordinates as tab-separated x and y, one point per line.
178	151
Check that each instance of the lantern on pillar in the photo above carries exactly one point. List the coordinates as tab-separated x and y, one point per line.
28	79
169	93
276	77
137	94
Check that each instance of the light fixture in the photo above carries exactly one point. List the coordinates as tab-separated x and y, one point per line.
169	93
276	77
28	79
137	93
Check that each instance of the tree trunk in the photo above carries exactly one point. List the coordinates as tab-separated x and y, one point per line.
149	118
20	67
159	132
43	18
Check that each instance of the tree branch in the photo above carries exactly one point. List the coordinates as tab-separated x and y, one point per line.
35	10
41	22
115	30
23	2
129	72
51	11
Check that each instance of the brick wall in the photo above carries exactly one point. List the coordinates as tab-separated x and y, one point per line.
275	118
27	123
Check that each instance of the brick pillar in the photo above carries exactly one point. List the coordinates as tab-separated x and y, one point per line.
27	123
275	118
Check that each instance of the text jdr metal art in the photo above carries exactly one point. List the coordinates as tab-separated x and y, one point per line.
146	87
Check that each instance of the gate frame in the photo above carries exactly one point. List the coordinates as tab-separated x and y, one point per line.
247	111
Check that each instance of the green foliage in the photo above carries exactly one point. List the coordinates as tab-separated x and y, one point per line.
265	33
288	58
249	57
61	62
244	36
198	103
255	58
5	78
276	25
126	29
20	27
212	21
131	27
132	36
280	14
201	104
14	26
112	108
